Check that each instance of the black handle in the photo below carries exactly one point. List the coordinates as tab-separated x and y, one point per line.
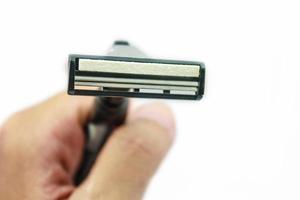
109	113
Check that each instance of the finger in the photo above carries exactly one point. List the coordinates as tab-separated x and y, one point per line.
53	128
63	117
62	105
67	116
60	118
131	156
46	142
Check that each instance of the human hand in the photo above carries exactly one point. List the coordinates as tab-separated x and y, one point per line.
41	149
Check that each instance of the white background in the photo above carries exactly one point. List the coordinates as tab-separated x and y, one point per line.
240	142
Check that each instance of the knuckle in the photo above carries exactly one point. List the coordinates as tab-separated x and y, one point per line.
7	126
12	125
13	120
10	134
5	144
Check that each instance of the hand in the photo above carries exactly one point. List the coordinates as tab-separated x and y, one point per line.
41	149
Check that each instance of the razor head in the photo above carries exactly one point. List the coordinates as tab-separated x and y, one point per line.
135	77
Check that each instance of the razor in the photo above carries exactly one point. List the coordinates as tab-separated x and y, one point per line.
126	72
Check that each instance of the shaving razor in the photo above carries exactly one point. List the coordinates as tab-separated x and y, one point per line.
126	72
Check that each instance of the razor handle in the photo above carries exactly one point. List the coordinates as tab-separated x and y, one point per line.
109	113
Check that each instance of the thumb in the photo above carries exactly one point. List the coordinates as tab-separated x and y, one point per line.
131	156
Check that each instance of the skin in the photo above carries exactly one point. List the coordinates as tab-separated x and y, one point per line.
41	149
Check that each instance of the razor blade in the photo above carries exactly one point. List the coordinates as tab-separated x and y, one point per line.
126	72
135	76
